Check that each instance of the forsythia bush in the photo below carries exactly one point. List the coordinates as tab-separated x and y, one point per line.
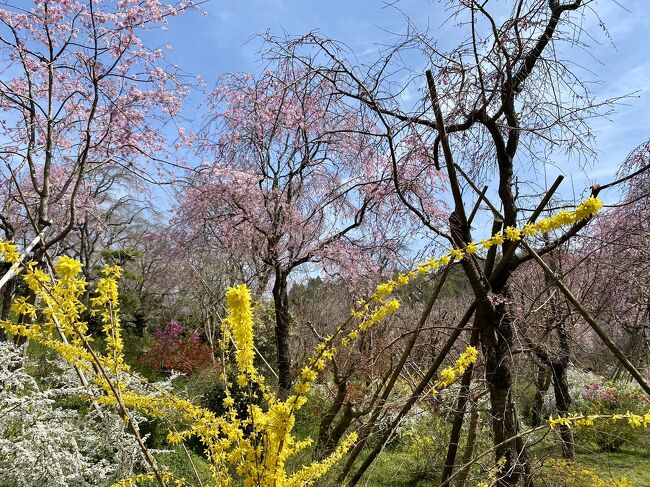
253	450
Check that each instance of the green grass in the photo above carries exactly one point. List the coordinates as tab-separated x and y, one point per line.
179	461
396	467
632	464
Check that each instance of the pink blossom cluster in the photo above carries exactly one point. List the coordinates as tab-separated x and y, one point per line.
289	176
172	334
81	93
597	391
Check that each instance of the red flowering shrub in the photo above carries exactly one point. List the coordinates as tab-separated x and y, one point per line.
172	350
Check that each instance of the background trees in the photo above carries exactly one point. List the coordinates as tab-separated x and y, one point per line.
81	93
83	99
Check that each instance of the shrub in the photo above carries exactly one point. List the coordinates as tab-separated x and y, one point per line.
242	398
171	350
612	398
577	379
427	441
46	439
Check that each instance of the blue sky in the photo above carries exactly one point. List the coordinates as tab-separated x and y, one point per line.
223	41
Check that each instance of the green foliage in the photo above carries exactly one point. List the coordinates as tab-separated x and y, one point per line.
612	398
427	442
185	463
629	463
121	256
556	472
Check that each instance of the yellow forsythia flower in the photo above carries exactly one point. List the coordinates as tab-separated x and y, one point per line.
11	254
456	254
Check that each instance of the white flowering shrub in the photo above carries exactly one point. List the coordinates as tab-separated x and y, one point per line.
45	443
577	379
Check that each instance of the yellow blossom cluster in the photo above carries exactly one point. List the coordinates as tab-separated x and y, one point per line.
8	252
579	420
60	309
493	473
239	323
249	450
106	303
449	374
260	445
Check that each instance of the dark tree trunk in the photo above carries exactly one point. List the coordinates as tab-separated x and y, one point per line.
542	383
459	415
7	294
497	343
562	403
282	325
471	442
336	433
457	425
325	440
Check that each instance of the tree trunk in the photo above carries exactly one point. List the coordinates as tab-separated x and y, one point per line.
325	440
335	434
457	425
471	442
497	343
282	323
459	415
542	383
562	403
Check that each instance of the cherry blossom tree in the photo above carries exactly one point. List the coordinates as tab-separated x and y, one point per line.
80	91
607	269
294	179
619	261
